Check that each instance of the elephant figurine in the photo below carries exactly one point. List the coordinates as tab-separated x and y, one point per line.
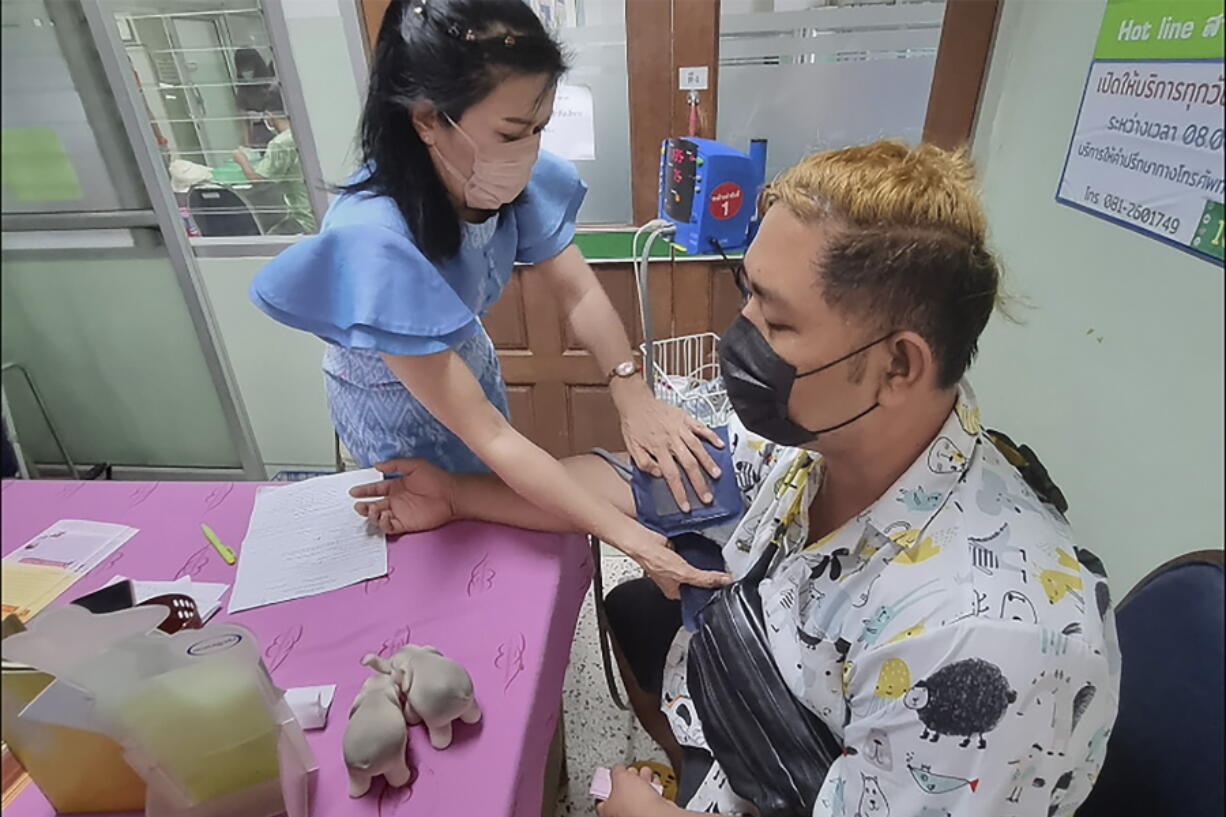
436	689
376	736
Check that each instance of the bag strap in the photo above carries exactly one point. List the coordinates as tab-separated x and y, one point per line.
1023	458
774	750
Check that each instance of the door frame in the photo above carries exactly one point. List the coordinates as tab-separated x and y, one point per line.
130	104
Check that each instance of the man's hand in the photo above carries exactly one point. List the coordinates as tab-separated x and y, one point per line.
660	437
421	498
633	796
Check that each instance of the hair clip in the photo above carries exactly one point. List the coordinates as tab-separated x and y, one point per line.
470	36
420	9
509	42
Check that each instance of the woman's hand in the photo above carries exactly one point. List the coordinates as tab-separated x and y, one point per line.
665	567
420	499
632	795
659	437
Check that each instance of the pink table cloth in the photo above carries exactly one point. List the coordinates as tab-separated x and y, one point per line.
502	601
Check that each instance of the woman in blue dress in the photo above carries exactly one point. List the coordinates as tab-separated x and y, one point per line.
453	192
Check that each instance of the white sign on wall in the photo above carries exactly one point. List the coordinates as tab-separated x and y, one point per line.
1147	151
571	132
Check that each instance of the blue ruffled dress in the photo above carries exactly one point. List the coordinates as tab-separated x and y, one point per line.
363	286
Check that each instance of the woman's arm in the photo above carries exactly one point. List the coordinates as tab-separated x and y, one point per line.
421	496
445	385
658	436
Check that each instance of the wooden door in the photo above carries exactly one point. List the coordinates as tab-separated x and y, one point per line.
557	393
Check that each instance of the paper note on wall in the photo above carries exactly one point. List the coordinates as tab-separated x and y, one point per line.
571	133
36	167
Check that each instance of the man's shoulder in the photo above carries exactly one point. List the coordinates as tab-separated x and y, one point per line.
1019	552
995	507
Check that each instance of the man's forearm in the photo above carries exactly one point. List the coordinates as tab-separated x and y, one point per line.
485	497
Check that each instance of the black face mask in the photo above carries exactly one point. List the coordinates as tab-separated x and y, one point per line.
759	383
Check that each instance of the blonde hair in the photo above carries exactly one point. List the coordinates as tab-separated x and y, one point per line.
884	183
907	248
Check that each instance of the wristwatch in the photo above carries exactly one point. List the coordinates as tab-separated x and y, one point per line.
627	368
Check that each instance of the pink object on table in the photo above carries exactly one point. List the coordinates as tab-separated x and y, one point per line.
501	601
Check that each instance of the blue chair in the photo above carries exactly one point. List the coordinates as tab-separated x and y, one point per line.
1165	756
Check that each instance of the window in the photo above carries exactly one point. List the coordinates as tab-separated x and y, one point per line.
817	74
218	112
591	127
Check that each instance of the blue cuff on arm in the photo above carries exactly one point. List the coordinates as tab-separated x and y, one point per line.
364	287
545	212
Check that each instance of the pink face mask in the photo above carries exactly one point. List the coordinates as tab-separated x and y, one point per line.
500	172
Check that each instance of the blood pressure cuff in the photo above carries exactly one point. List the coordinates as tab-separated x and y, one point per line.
775	752
657	509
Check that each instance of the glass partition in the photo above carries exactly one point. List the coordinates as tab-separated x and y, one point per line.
595	101
808	75
211	89
54	158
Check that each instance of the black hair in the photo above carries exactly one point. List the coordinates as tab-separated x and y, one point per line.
249	94
451	53
248	59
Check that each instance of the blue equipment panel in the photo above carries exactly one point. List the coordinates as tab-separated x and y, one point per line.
709	191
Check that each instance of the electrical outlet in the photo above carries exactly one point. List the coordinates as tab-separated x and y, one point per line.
694	78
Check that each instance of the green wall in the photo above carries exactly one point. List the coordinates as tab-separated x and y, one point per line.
1116	378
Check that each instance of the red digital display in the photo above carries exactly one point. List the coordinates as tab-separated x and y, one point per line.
679	179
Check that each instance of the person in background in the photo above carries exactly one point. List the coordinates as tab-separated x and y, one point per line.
255	80
453	192
914	629
280	165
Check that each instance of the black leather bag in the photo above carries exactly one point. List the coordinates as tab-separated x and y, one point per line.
774	751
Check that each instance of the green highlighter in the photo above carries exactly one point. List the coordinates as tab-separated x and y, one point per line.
225	552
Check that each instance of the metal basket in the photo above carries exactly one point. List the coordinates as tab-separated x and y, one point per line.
686	372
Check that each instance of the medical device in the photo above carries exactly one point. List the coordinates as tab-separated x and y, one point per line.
708	192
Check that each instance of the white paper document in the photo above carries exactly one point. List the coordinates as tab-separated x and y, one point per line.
76	545
305	539
571	133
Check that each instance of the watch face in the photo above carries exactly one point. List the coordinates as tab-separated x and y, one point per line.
625	369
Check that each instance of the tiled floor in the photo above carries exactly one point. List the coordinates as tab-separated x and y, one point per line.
597	732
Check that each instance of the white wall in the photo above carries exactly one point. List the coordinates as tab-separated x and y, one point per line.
277	370
1116	378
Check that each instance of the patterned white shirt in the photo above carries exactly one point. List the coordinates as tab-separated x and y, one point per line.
952	636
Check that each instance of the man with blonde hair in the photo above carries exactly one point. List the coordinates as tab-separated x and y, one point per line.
913	629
